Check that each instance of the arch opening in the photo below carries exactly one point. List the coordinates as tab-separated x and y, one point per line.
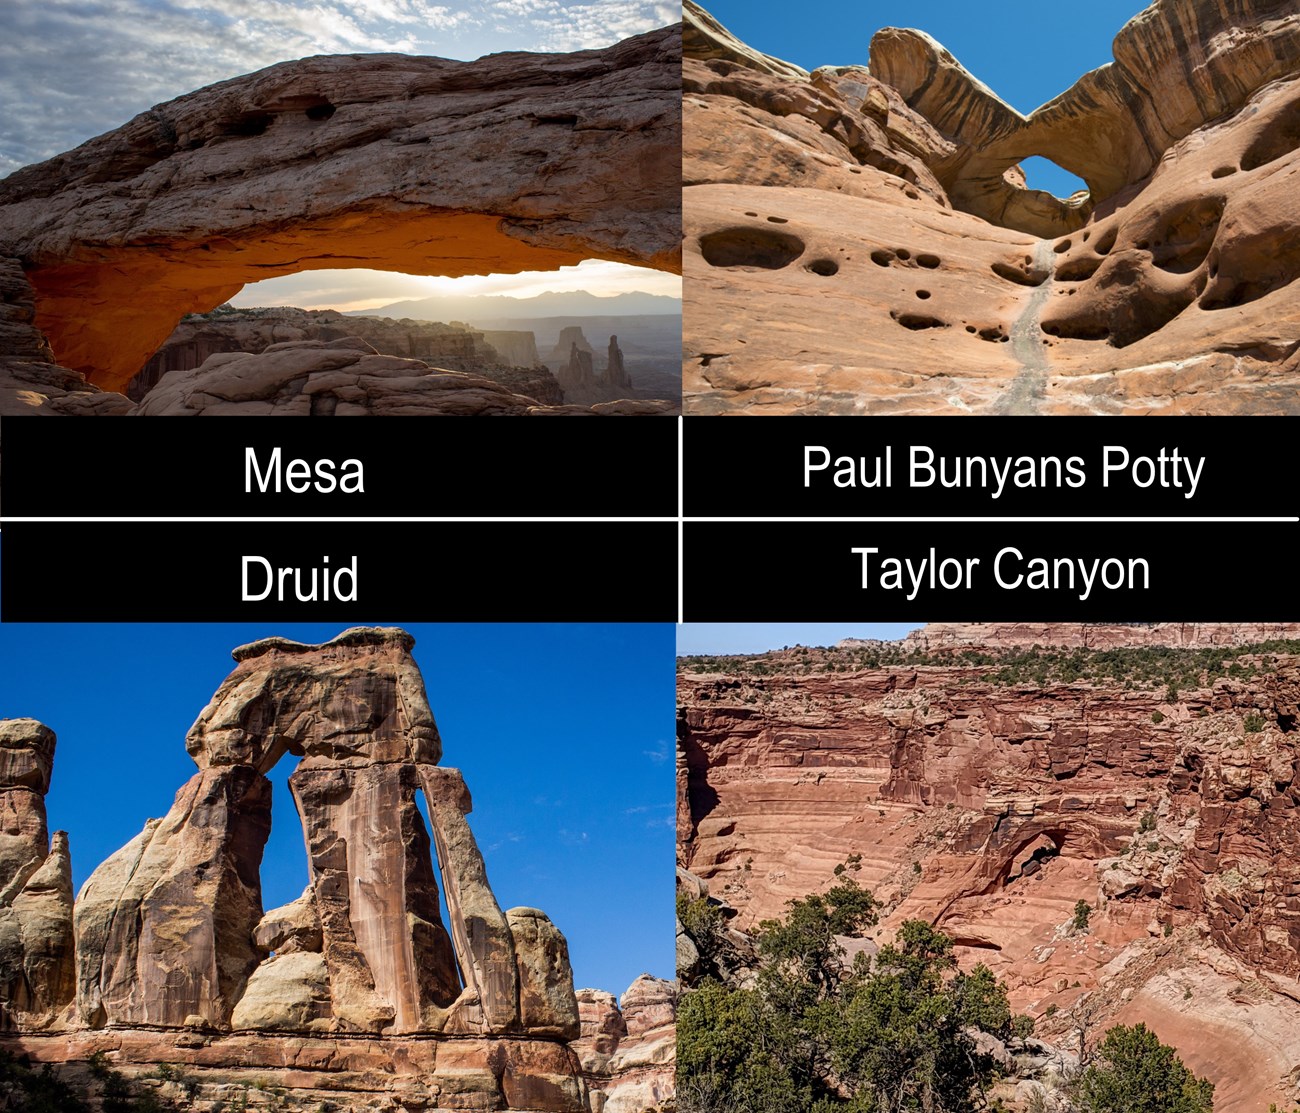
105	316
592	332
285	873
1044	174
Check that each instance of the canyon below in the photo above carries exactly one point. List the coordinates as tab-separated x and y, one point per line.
992	781
860	239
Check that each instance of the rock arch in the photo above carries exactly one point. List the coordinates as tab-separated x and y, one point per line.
170	930
513	162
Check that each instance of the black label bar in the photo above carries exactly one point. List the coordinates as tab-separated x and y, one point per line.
1009	572
458	572
410	467
1005	466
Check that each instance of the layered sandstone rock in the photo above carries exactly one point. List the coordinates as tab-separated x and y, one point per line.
451	347
938	636
37	976
860	240
424	165
171	936
991	807
628	1047
344	378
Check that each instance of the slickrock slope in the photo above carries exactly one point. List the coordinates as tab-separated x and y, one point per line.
988	790
428	166
860	240
448	347
358	994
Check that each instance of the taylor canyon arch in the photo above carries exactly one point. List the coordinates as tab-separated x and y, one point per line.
423	165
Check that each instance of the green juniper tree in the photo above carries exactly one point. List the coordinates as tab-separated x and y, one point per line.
1135	1073
808	1034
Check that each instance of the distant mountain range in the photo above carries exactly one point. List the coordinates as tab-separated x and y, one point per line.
577	303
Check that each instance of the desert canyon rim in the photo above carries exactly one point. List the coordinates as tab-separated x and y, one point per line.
512	163
358	995
992	776
859	239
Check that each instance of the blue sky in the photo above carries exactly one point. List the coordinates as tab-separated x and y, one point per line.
565	734
757	637
1026	51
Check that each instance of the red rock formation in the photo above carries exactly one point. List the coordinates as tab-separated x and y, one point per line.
935	637
177	961
574	156
952	287
453	347
346	378
628	1048
37	976
991	808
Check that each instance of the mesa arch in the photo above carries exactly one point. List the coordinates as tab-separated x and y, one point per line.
424	165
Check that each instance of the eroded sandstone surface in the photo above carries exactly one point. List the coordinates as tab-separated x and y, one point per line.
450	347
988	786
349	378
360	993
423	165
859	240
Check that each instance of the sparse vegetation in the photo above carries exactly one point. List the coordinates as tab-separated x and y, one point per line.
810	1034
1082	910
1136	1073
1254	722
1157	717
1145	667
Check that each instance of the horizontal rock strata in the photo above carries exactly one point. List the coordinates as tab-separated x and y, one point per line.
990	803
359	991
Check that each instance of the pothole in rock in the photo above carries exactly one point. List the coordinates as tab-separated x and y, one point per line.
1186	235
765	248
1077	270
1279	137
1026	276
918	321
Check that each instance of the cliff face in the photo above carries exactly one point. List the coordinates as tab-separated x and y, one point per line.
36	943
450	347
358	991
989	799
895	189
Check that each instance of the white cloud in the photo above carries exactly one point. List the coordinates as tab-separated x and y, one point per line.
72	69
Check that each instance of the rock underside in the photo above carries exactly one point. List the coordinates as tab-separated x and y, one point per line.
859	240
422	165
990	806
359	992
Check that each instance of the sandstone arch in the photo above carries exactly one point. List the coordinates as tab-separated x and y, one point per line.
424	165
170	930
